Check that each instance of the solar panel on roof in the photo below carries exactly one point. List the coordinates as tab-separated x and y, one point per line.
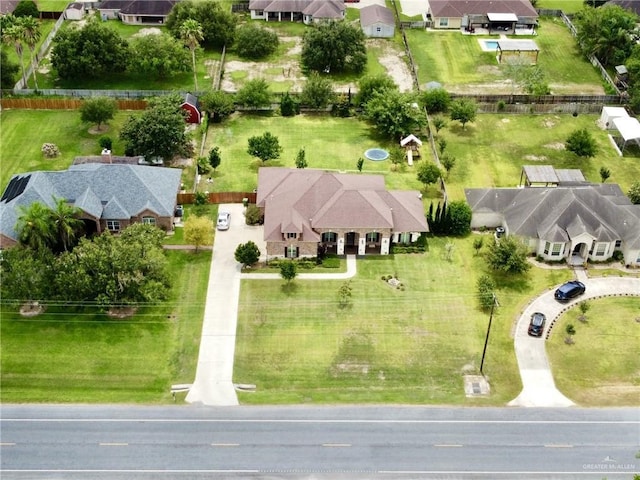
15	188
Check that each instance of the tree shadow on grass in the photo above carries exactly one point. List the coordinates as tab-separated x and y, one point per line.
289	288
511	281
468	131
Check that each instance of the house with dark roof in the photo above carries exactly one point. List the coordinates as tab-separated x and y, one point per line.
496	16
306	210
111	196
573	223
632	6
137	12
377	21
307	11
8	6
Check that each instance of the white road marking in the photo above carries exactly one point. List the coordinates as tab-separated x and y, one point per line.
225	444
334	445
113	444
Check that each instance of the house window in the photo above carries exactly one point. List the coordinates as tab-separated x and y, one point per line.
291	252
329	237
618	243
547	247
405	237
292	235
378	29
149	220
556	250
443	22
601	249
113	225
259	13
373	237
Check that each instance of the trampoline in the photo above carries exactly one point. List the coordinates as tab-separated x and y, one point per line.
376	154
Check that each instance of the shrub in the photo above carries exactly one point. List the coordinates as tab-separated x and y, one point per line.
105	142
486	287
255	42
253	215
289	106
501	105
581	143
50	150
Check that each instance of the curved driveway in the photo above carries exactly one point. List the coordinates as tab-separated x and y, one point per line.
538	387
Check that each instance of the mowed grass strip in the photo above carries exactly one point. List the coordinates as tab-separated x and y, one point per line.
78	355
391	345
491	151
24	131
330	143
602	367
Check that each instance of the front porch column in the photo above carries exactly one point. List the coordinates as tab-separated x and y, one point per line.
362	245
340	246
384	248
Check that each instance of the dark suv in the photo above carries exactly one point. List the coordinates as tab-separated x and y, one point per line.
536	324
569	290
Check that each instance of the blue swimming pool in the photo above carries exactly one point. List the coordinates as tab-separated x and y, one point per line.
490	44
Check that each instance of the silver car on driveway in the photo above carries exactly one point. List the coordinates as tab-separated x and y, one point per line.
224	220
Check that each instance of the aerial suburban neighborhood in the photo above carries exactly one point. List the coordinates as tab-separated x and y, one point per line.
320	202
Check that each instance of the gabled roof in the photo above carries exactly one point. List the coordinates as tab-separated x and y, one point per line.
316	8
104	191
190	99
308	201
372	14
459	8
411	138
601	210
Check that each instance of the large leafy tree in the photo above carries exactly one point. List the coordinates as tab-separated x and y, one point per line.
27	275
158	56
334	47
31	35
265	147
463	110
98	110
428	173
191	34
459	218
92	51
8	71
217	104
26	8
158	132
255	42
254	94
218	24
393	113
198	231
367	86
606	32
508	255
317	91
435	100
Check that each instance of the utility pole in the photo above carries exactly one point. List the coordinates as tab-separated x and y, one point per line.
486	340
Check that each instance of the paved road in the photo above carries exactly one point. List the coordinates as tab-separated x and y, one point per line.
538	387
355	442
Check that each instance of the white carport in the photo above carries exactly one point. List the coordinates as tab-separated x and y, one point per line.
629	130
608	114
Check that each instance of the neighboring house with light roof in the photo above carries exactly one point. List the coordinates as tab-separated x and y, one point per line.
573	223
306	11
110	196
502	16
306	210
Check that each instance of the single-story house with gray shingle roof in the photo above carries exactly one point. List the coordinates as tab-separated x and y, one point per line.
306	210
574	223
8	6
110	196
377	21
496	16
137	12
307	11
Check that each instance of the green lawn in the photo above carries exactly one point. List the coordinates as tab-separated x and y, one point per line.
45	28
567	6
491	151
389	346
330	143
602	367
24	131
82	356
457	61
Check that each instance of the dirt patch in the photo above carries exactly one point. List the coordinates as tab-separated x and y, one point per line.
122	312
283	71
555	146
143	32
31	309
536	158
350	369
97	131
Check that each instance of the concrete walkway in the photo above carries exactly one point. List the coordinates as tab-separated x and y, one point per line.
538	387
213	384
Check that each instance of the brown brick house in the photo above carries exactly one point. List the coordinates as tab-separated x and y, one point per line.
306	209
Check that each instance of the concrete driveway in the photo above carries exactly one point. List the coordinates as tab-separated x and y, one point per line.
538	387
213	384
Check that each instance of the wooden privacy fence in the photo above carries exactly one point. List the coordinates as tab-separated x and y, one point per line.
63	103
544	99
218	197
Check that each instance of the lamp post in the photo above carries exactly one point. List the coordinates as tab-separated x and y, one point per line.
486	340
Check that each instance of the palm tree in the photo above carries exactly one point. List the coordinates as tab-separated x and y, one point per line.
34	226
31	36
14	35
65	223
191	34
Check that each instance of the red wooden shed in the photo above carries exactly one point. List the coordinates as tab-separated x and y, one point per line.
192	106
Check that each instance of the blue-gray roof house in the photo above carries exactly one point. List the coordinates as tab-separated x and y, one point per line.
110	196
